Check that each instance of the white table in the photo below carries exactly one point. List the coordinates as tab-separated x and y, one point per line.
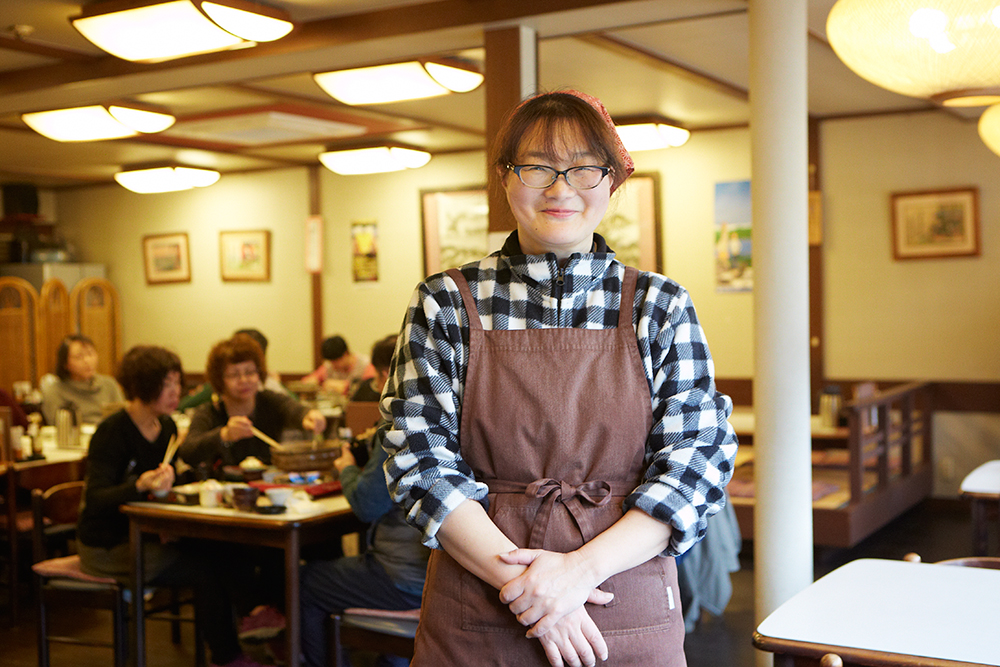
887	612
982	487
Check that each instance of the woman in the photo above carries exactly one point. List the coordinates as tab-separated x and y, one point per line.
125	463
221	430
79	386
556	431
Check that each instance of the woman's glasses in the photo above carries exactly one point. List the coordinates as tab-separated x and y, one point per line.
238	374
541	177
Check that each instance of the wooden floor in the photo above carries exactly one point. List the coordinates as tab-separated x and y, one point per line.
934	529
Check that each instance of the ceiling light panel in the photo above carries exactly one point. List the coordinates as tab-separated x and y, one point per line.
176	28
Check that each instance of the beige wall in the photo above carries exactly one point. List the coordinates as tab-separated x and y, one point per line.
932	319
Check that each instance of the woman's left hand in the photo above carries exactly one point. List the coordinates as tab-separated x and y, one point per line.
314	421
553	586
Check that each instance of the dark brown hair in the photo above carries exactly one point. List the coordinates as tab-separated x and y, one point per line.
144	369
241	347
62	354
382	352
546	113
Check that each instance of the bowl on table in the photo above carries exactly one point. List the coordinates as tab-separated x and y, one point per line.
245	498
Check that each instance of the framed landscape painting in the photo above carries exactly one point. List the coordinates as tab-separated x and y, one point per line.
940	223
166	258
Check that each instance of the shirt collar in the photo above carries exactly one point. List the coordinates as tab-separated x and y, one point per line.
542	271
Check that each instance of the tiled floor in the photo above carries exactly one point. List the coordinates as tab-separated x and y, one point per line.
935	530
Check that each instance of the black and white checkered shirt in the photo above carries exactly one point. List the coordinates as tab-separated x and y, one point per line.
691	446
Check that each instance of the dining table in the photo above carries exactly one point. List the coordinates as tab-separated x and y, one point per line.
311	522
874	612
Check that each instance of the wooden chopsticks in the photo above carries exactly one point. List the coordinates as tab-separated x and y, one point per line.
266	438
171	448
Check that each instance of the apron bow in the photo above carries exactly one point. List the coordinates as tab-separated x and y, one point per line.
595	493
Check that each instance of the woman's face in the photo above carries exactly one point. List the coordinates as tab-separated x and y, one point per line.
81	362
170	395
559	218
241	380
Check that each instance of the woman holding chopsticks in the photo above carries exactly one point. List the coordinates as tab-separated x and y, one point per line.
129	458
242	416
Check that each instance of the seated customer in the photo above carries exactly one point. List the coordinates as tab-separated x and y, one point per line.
204	392
124	463
371	390
342	370
221	430
79	385
389	575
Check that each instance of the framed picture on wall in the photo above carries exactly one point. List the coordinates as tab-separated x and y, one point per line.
245	255
166	258
631	226
456	226
940	223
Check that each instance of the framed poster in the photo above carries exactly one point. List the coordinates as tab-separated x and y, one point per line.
364	251
733	242
245	255
941	223
166	258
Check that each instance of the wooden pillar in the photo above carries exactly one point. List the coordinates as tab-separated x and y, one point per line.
315	206
783	550
511	75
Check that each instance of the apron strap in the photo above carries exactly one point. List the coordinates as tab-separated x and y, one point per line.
628	297
471	311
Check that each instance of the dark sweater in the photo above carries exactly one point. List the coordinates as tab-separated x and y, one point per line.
117	455
272	414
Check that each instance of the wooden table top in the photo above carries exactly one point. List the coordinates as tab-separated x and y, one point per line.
909	613
318	509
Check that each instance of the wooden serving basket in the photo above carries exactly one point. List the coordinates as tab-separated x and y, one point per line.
304	455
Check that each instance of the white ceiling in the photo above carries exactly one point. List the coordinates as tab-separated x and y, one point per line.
684	59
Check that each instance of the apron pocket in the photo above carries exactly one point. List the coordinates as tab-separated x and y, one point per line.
646	600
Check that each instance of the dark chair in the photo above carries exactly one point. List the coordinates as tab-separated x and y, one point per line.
62	580
376	630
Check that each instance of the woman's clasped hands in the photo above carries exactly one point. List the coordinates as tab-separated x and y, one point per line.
548	598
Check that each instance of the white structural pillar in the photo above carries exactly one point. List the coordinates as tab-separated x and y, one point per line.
783	551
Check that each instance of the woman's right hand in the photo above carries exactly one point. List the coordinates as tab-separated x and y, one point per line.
574	641
160	478
237	428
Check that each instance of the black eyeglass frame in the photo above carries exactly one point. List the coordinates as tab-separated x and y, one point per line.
516	168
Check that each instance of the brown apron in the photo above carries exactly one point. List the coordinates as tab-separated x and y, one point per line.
555	421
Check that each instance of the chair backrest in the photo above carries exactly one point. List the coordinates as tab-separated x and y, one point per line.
55	323
359	416
97	315
56	506
6	446
988	562
18	332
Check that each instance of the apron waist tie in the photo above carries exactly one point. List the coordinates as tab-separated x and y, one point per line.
576	499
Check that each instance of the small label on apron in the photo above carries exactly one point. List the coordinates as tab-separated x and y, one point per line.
670	596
